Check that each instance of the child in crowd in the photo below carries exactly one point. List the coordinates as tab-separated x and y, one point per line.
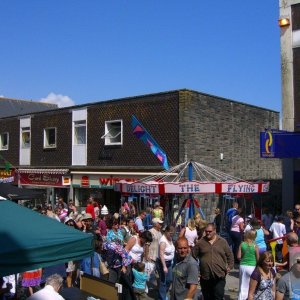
140	278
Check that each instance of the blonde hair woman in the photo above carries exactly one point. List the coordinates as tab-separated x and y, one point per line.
190	232
248	254
200	224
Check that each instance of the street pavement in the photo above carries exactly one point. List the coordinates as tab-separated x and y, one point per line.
231	288
232	284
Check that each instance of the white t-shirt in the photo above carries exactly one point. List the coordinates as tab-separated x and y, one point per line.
278	230
169	250
191	236
136	251
47	293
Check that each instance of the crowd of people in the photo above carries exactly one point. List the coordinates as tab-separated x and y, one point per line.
260	264
150	256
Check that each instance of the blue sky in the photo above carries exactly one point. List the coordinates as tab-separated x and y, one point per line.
80	51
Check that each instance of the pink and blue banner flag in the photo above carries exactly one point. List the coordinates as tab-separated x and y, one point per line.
142	134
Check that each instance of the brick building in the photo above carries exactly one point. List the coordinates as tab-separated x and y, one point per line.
84	149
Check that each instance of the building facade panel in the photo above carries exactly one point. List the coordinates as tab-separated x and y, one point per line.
296	58
211	126
12	127
157	113
60	156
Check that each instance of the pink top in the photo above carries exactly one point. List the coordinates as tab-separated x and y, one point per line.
235	225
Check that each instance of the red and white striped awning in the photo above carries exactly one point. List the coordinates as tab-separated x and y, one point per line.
192	187
44	171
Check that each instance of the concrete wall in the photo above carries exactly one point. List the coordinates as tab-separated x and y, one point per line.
290	78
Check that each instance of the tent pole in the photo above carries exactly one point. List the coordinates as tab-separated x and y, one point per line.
180	211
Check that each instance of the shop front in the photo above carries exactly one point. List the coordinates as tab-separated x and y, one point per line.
100	185
55	182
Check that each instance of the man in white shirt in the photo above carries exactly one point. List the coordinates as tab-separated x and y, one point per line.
50	291
278	230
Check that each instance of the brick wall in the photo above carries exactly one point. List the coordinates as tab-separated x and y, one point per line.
157	113
210	125
11	125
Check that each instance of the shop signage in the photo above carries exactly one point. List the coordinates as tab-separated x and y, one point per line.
66	180
245	187
44	179
189	187
193	187
7	175
141	188
111	181
85	181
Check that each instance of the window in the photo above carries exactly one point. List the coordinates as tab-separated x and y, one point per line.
113	133
25	137
4	141
49	137
80	132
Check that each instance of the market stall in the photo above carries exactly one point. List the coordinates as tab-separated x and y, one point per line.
30	240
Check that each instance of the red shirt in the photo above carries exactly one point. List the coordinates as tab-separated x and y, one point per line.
90	210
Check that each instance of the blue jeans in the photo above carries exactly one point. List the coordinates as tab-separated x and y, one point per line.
165	280
236	238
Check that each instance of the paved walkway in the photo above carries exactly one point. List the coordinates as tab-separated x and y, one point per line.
231	288
232	284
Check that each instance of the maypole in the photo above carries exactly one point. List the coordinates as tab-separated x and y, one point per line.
190	204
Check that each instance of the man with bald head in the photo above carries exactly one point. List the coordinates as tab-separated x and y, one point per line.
292	241
185	272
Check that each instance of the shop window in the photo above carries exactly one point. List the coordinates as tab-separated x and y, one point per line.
25	137
80	132
4	141
113	133
50	138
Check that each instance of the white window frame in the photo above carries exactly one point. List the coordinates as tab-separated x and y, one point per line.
109	136
25	130
46	137
79	124
2	146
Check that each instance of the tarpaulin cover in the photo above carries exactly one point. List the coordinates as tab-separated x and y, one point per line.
30	240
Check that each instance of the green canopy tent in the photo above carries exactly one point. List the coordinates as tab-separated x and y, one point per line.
30	240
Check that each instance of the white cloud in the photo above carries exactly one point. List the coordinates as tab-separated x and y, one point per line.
1	96
60	100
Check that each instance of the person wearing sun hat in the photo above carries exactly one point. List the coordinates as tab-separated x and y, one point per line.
156	235
154	246
87	223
